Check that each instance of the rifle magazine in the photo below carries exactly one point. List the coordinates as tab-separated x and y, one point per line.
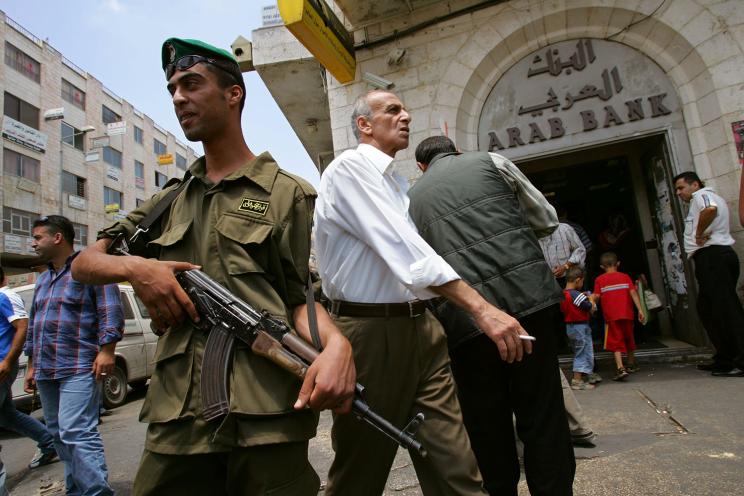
215	373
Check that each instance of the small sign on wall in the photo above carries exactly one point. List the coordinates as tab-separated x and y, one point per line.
13	244
113	172
738	129
116	128
76	202
165	159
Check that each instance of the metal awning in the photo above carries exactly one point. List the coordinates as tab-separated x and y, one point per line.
297	82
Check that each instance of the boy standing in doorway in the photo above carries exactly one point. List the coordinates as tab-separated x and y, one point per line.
577	307
617	296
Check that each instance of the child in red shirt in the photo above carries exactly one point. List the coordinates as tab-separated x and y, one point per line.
617	296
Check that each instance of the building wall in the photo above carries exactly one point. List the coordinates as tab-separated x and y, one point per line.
450	67
44	197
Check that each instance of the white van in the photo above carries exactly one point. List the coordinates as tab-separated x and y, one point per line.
134	353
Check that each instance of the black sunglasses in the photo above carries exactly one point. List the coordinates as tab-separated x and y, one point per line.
56	221
188	61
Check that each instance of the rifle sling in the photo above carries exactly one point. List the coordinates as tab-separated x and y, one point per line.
163	205
312	318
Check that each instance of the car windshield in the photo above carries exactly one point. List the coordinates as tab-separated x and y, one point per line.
142	307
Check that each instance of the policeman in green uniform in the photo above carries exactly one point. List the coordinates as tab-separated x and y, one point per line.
246	223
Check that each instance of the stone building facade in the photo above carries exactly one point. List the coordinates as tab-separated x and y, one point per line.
599	102
71	146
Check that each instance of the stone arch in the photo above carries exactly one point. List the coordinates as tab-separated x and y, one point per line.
488	53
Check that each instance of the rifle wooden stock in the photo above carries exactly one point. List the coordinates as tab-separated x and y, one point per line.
270	348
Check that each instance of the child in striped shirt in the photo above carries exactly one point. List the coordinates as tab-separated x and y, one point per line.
577	307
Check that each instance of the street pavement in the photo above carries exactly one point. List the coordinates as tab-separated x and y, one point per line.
669	430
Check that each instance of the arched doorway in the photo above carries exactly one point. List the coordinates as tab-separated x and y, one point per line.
598	127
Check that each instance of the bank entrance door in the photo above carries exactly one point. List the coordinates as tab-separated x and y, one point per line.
678	289
622	196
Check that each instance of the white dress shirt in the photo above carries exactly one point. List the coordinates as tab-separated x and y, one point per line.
367	247
718	230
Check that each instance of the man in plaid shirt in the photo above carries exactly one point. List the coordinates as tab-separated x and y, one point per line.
73	331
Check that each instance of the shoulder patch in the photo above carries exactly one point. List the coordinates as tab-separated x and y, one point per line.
259	207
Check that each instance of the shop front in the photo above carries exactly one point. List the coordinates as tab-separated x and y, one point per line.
598	128
599	104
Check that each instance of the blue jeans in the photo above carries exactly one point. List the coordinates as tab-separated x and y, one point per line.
580	336
19	422
3	491
71	411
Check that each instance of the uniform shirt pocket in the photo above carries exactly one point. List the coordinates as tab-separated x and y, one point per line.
171	383
173	235
243	243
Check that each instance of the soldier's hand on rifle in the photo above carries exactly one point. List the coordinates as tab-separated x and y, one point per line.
330	380
155	284
152	280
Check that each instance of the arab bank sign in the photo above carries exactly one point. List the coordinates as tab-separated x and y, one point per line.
574	93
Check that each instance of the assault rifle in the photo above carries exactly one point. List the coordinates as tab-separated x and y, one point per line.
227	318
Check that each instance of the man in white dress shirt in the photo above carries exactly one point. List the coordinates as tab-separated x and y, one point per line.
377	271
708	243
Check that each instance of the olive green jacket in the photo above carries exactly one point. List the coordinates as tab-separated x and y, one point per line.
251	233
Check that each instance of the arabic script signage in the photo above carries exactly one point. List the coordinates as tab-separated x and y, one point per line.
573	93
18	244
24	135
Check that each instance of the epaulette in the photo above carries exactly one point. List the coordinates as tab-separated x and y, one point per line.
306	187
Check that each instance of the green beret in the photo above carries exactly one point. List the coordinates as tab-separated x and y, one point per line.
175	48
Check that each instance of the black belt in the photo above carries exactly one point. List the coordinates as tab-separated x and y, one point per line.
349	309
713	249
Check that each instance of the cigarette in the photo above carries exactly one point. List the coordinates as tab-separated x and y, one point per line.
527	338
103	373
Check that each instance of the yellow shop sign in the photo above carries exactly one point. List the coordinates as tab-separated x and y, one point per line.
315	25
165	159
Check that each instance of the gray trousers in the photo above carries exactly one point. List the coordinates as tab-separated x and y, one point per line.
404	365
576	422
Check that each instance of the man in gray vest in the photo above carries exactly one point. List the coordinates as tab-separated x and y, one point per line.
483	216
